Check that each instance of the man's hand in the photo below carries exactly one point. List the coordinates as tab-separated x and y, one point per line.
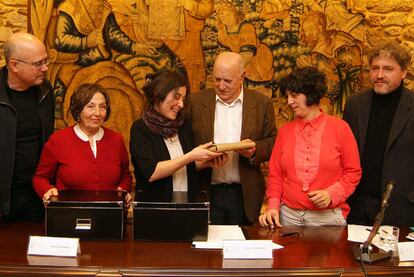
247	153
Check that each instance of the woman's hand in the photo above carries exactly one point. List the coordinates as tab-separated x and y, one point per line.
218	161
128	197
320	198
51	192
270	218
201	153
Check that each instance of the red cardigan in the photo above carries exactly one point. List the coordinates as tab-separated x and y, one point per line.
67	162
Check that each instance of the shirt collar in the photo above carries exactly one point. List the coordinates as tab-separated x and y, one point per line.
314	123
80	134
238	99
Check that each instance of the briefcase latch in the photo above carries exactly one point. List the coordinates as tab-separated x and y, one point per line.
83	224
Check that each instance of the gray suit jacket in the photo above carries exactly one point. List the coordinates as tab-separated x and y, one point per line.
399	153
258	124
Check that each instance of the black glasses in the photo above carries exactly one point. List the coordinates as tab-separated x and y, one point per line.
37	65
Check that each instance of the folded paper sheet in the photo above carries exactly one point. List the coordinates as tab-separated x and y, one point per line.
218	233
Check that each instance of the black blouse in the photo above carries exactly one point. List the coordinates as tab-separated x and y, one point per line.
148	149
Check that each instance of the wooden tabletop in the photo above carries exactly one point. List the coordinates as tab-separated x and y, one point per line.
313	251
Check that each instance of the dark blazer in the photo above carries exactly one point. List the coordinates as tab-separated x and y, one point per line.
148	149
8	129
399	153
258	124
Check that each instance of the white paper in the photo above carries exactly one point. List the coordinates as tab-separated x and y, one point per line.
52	260
249	249
406	251
53	246
245	263
360	233
218	233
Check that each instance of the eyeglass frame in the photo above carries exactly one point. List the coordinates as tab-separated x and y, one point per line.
38	65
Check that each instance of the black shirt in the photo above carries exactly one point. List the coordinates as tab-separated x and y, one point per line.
25	204
382	113
29	129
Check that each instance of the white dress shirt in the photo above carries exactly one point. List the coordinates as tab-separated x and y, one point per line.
227	129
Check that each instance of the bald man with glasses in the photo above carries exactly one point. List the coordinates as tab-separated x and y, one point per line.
26	122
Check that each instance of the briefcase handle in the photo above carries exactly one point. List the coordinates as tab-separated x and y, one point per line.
83	224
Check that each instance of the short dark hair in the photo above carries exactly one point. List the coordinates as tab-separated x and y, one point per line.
83	95
7	51
391	49
308	81
161	83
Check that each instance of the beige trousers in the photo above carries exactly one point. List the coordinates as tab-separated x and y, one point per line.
327	217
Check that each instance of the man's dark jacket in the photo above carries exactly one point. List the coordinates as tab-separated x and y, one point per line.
8	130
398	165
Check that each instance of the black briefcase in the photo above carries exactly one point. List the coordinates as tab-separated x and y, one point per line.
180	219
94	215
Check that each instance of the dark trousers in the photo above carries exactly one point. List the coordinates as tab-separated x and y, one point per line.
364	208
26	205
226	205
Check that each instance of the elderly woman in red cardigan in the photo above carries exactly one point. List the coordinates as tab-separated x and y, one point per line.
86	156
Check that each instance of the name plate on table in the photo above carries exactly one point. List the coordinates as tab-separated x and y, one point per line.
249	249
53	246
406	251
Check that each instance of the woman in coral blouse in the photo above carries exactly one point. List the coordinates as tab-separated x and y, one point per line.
314	165
86	156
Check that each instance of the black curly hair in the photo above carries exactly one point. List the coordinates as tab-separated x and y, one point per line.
306	80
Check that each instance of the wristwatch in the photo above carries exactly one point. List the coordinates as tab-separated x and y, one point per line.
252	159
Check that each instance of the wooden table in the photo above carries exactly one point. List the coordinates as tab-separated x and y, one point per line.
322	251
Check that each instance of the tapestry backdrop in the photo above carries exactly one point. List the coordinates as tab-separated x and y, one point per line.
117	42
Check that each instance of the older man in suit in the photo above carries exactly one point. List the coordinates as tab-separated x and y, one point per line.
230	113
382	120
